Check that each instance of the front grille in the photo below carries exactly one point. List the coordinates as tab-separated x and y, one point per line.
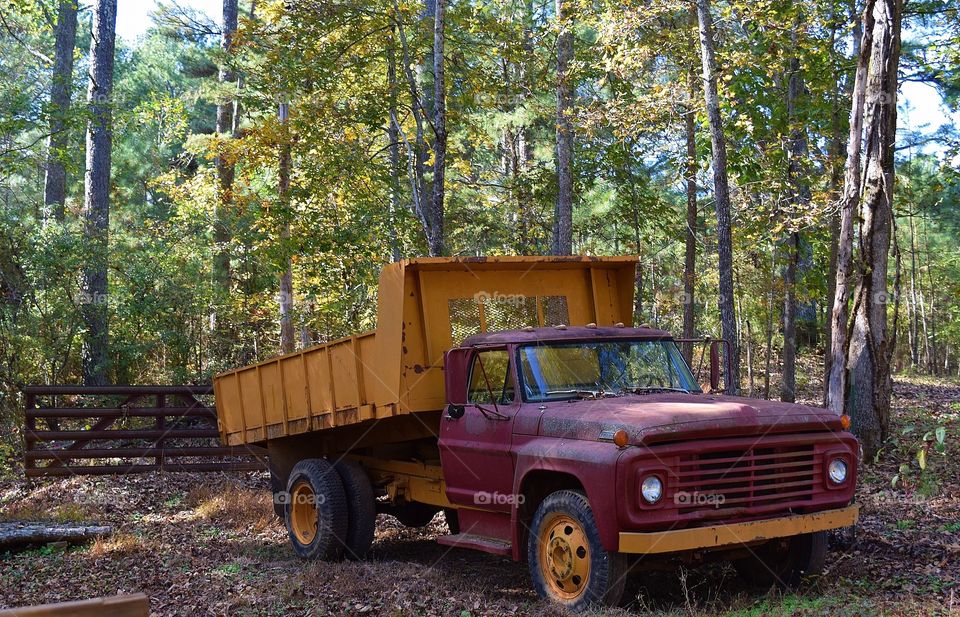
734	479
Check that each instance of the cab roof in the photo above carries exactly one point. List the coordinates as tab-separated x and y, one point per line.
563	333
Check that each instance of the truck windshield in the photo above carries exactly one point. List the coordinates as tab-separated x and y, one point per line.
578	370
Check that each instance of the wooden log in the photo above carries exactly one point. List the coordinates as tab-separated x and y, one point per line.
130	605
15	534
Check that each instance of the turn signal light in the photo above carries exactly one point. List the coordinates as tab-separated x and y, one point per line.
621	438
845	422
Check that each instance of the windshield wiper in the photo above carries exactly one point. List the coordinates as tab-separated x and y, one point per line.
649	389
583	394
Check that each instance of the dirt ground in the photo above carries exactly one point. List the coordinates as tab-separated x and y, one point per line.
205	544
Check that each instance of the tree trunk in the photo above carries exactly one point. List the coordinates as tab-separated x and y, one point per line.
436	239
287	333
932	337
913	329
55	180
96	194
769	348
870	344
721	192
799	199
690	251
836	185
524	159
393	137
788	376
563	215
225	167
839	343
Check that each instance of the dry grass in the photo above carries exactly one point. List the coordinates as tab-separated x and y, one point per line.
117	544
232	505
59	513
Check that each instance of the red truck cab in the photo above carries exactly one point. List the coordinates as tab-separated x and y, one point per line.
577	447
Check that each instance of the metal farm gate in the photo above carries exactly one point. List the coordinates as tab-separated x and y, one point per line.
76	430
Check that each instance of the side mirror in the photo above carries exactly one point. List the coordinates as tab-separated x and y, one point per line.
455	412
456	368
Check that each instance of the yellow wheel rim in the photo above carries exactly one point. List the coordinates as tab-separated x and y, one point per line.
564	555
303	512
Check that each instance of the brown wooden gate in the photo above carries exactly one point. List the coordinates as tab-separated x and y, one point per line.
127	429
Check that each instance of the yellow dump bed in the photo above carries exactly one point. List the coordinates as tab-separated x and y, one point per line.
426	306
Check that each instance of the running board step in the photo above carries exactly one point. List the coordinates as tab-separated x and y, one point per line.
477	543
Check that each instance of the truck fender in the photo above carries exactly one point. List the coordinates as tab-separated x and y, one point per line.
545	465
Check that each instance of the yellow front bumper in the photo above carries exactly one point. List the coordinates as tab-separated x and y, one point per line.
736	533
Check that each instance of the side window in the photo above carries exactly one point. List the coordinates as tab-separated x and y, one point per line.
491	367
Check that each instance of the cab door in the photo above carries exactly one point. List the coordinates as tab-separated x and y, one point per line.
476	435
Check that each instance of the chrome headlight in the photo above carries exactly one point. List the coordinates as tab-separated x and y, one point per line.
837	471
651	489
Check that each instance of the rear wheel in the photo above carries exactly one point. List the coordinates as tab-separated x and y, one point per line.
567	561
316	510
785	562
361	508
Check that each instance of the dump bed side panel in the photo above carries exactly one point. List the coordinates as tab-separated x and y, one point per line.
321	387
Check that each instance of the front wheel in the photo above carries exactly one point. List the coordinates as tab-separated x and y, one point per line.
568	563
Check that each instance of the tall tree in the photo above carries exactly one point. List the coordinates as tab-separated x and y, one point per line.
424	109
393	143
721	197
287	341
55	180
843	83
799	196
563	214
224	165
860	382
871	340
690	248
436	237
849	205
96	208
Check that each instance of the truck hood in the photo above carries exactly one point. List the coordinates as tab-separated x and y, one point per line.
653	418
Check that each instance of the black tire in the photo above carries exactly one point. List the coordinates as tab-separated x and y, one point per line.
785	563
606	570
317	478
453	520
361	509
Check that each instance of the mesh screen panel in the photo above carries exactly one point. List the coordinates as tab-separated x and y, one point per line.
555	310
503	313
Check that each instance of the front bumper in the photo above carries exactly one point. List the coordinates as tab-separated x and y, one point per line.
736	533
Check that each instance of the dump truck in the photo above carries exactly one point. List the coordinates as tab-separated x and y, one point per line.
510	394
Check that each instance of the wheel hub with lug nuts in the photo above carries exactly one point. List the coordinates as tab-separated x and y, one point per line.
565	557
303	517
